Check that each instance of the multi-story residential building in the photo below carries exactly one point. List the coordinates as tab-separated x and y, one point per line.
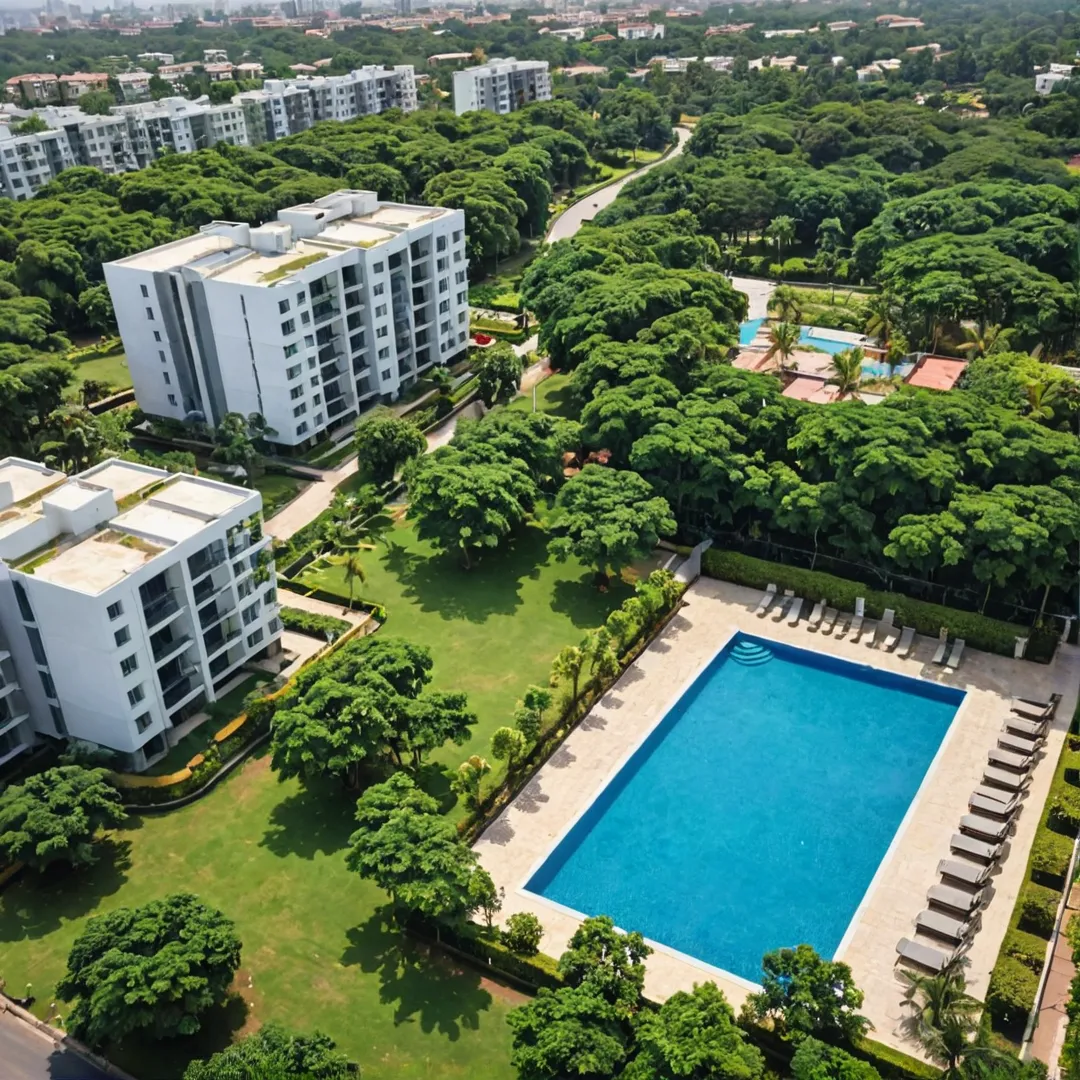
218	72
174	73
215	56
307	320
286	106
129	597
249	70
29	162
641	31
73	87
100	141
363	92
172	124
33	89
501	86
134	85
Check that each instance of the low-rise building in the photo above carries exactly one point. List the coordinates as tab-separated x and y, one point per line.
450	58
129	598
334	306
501	86
249	70
155	58
33	89
29	162
215	56
134	85
641	32
73	87
1048	81
218	72
842	26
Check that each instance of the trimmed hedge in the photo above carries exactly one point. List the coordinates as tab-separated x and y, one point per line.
980	632
1011	995
1050	854
1038	909
1027	948
311	623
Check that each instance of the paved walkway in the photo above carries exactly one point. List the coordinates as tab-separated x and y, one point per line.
309	504
291	599
522	836
1049	1036
587	208
759	292
28	1054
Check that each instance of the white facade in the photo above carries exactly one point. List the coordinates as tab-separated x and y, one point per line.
501	86
129	597
29	162
641	31
1048	81
307	320
363	92
134	85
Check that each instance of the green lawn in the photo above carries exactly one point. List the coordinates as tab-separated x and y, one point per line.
492	630
276	490
112	369
317	951
552	396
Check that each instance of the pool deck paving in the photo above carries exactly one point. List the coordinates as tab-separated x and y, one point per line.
521	838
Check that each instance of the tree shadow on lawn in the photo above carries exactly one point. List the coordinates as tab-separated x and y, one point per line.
584	604
428	988
166	1059
435	780
36	905
317	820
438	583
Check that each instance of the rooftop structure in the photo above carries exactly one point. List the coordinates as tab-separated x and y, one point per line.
936	372
129	596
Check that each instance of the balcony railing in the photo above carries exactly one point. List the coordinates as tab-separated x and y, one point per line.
322	312
219	638
161	608
179	689
212	614
329	353
169	646
202	564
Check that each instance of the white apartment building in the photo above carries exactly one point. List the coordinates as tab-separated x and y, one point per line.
307	320
134	85
641	32
155	58
501	86
29	162
287	108
129	597
100	141
362	92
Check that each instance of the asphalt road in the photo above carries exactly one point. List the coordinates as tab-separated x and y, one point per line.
568	223
26	1054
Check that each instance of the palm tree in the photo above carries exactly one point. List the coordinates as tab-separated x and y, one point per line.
1042	397
882	313
782	341
70	439
353	568
781	231
785	304
847	372
985	340
937	999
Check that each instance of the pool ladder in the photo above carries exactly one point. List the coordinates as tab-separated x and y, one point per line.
751	653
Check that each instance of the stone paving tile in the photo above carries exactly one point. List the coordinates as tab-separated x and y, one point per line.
518	841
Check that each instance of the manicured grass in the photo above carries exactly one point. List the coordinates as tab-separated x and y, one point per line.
552	396
112	369
277	489
492	630
317	950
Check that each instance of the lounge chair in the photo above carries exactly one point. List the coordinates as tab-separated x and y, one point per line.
885	624
1032	729
785	601
1007	759
869	632
828	620
968	873
1017	744
814	621
956	654
907	639
855	625
975	849
767	600
992	807
938	924
888	642
1002	778
942	645
984	828
913	952
986	791
794	611
1036	710
962	900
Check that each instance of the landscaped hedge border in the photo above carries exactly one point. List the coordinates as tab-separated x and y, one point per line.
312	623
980	632
1014	982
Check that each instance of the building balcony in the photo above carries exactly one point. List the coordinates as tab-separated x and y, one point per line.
324	311
178	684
336	408
330	352
220	637
162	608
209	587
168	648
421	274
203	562
212	615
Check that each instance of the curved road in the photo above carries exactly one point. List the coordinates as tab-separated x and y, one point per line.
586	209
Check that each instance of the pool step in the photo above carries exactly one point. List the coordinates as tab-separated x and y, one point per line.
751	653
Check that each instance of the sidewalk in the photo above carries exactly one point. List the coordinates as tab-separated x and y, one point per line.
310	503
1049	1035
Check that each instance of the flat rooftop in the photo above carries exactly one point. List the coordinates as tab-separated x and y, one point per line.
97	563
937	372
27	479
178	253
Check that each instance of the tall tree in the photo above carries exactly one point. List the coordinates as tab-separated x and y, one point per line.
275	1053
384	443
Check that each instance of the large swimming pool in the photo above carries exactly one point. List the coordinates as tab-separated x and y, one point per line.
808	335
756	813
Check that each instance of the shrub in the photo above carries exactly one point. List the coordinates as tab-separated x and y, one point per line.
1050	854
980	632
1028	949
522	933
1011	995
1063	809
311	623
1038	909
536	969
796	267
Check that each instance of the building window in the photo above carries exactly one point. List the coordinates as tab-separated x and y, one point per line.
378	290
135	695
462	315
47	684
270	597
301	428
114	611
440	243
457	236
145	291
129	664
157	335
385	374
172	399
380	311
295	392
378	268
305	318
317	399
300	409
288	327
165	376
122	636
444	307
283	306
291	350
384	354
250	614
58	719
36	646
311	363
292	372
143	722
161	355
255	638
301	297
381	332
150	314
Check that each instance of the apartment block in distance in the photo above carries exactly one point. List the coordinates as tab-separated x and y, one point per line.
501	86
129	599
308	320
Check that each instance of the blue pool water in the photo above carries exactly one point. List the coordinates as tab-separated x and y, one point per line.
756	813
748	330
808	335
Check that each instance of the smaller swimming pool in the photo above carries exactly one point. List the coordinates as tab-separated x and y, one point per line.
808	335
748	330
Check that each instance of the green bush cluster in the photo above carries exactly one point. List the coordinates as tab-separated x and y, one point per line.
1038	909
1027	948
893	1064
1011	995
537	970
311	623
980	632
500	330
1050	854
